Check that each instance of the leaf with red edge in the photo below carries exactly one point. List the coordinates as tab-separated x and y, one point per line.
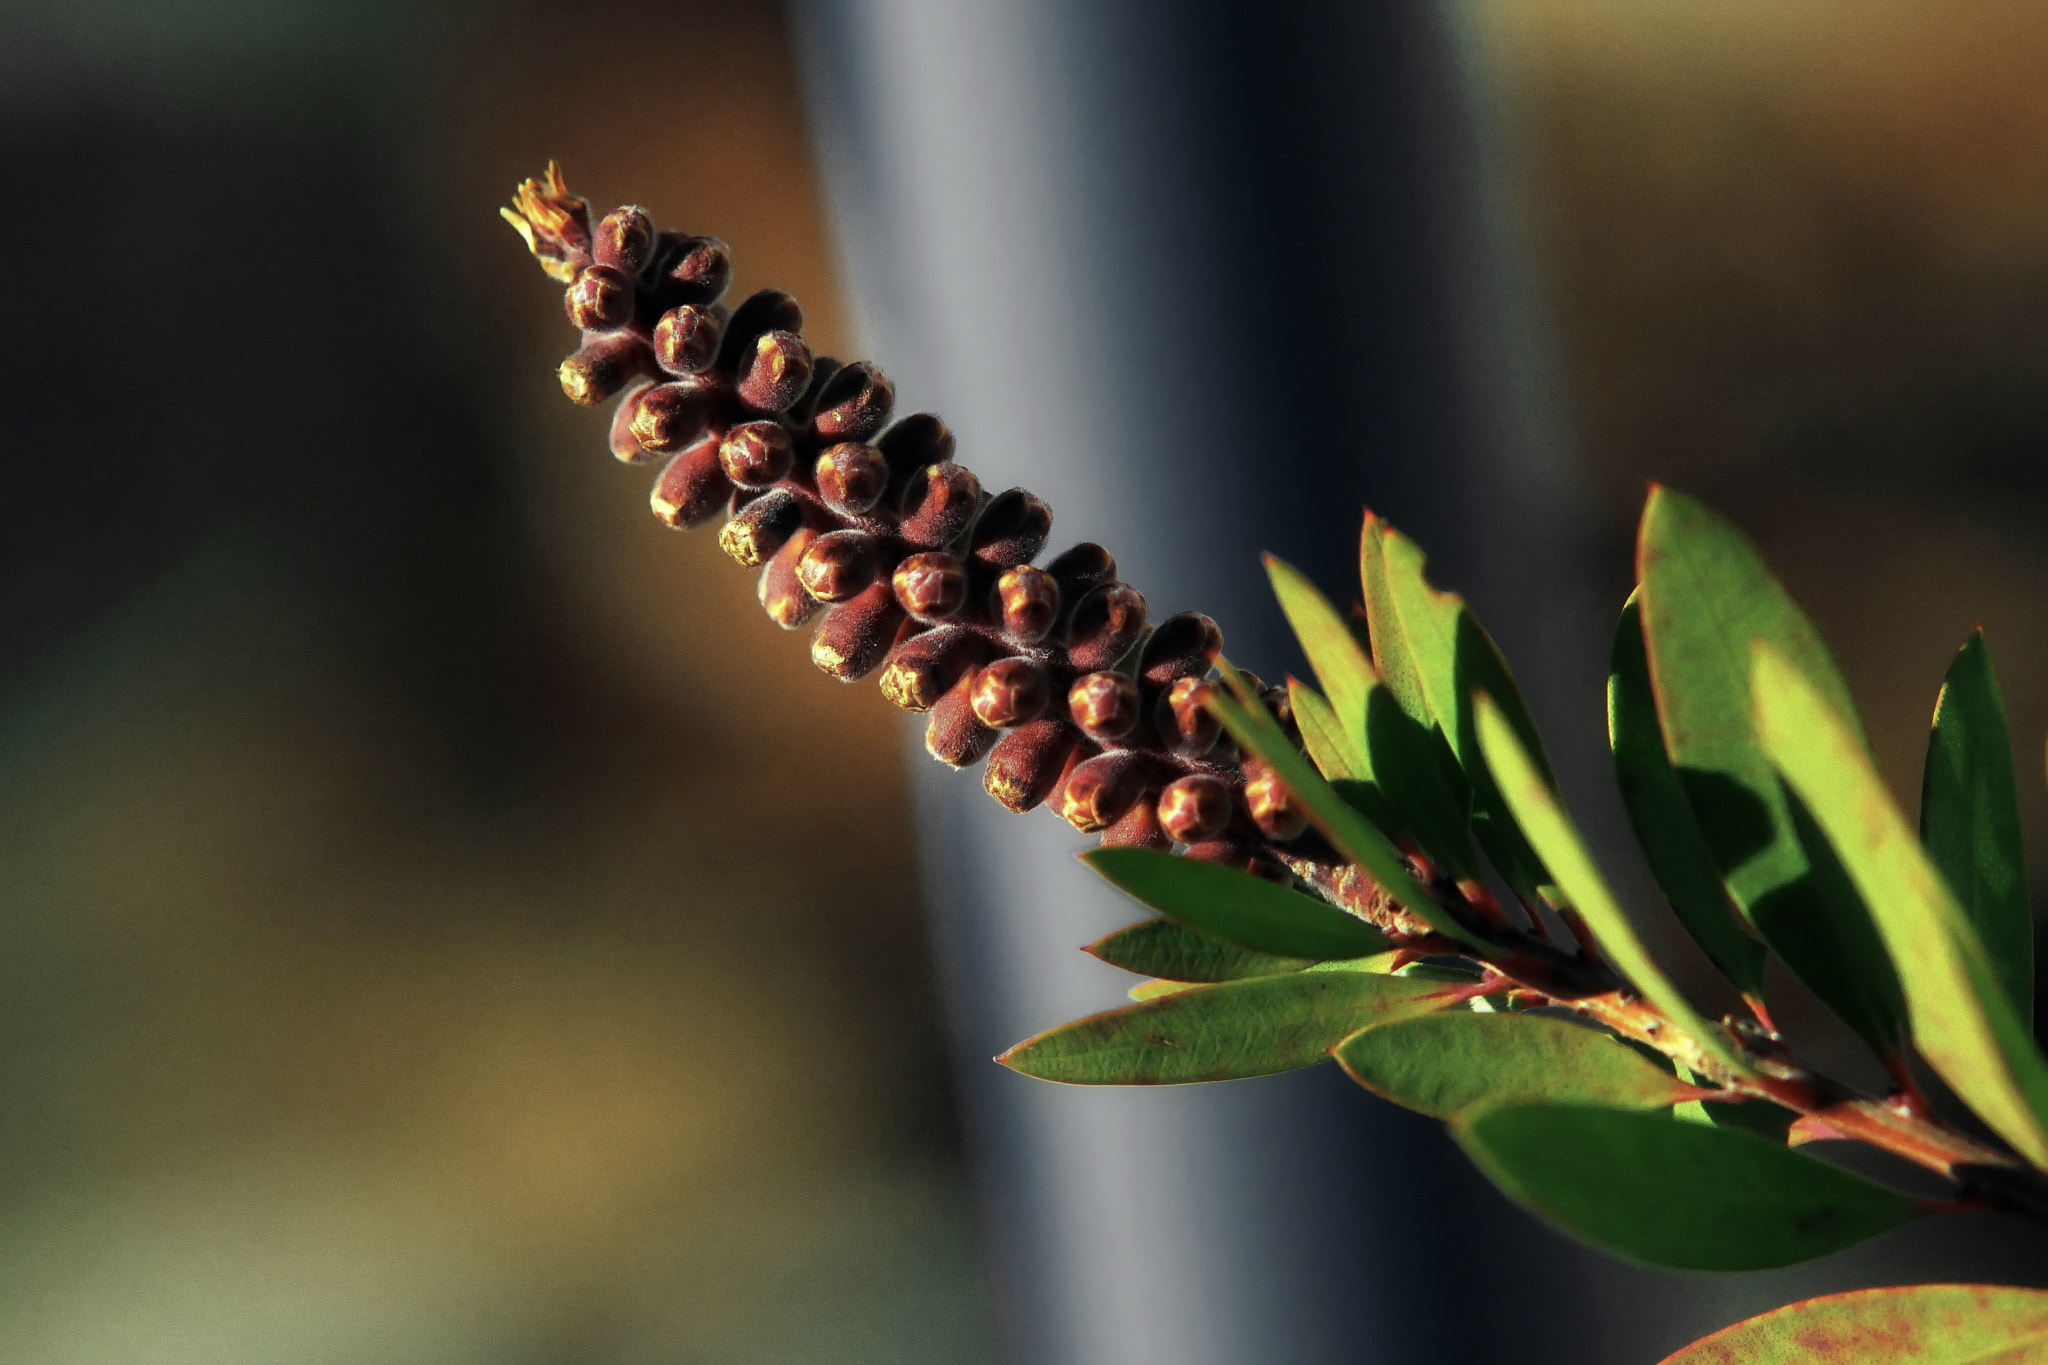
1914	1324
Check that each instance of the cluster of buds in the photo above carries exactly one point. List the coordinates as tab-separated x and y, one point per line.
1049	674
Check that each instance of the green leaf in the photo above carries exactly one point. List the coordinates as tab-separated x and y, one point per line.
1348	831
1970	819
1446	1063
1350	774
1653	1189
1705	594
1391	654
1962	1022
1662	818
1341	666
1536	806
1409	776
1914	1324
1442	647
1225	1031
1232	904
1169	949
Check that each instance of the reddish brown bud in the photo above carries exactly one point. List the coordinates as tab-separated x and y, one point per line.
669	416
686	339
693	488
1010	692
599	299
853	404
1101	790
1011	530
931	587
924	667
1027	602
762	527
1185	721
823	367
1279	703
604	366
856	636
692	269
1105	624
782	596
626	447
953	735
938	503
775	371
1079	568
1183	646
1195	808
1242	856
756	454
911	444
1139	828
838	566
624	240
851	478
1271	806
1027	763
1104	705
770	310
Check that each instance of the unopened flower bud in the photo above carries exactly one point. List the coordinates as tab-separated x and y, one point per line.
686	339
1139	828
853	404
925	667
839	566
912	443
1279	703
782	596
775	373
823	367
856	636
1011	530
599	299
624	240
1010	692
693	488
756	454
669	416
1272	807
1183	646
554	224
692	270
1101	791
604	366
851	478
931	587
1079	568
1185	721
1027	603
1027	763
953	735
762	527
1104	705
1195	809
938	503
1104	626
769	310
625	446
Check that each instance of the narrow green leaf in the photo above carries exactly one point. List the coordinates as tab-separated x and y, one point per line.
1705	594
1913	1324
1970	818
1444	1064
1662	818
1652	1189
1332	751
1349	832
1962	1022
1342	668
1391	654
1224	1031
1408	774
1169	949
1541	816
1234	905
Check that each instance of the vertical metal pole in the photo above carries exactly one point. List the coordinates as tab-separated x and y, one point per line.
1210	279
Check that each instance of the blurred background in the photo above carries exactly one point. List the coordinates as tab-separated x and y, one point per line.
441	920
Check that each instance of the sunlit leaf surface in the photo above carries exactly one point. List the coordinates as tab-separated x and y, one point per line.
1446	1063
1235	905
1920	1324
1166	948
